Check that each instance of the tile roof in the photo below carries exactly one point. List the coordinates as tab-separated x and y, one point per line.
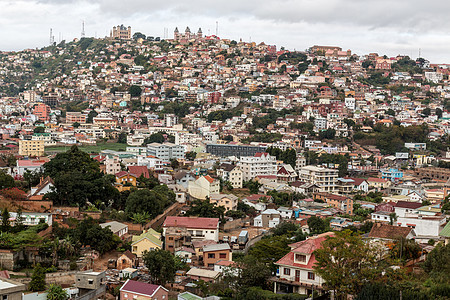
209	178
385	231
191	222
139	287
139	170
406	204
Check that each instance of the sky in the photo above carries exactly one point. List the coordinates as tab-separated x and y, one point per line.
364	26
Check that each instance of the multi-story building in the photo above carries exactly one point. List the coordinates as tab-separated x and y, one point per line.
259	164
75	117
11	290
42	112
105	121
236	177
325	179
296	269
31	147
121	32
391	174
166	151
214	253
228	201
233	150
112	165
203	187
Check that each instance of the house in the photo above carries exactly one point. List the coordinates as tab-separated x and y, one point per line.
269	218
296	269
117	228
126	260
425	227
183	178
378	183
181	231
11	290
186	254
340	202
385	232
325	179
259	164
360	184
258	201
92	283
285	213
213	253
128	273
147	241
401	208
236	177
445	233
125	179
227	267
139	171
140	290
203	187
203	274
286	173
228	201
45	186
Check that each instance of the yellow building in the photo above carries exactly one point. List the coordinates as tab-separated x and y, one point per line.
31	147
149	240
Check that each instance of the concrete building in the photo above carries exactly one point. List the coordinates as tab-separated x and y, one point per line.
75	117
141	290
31	147
259	164
325	179
11	290
233	150
214	253
229	201
166	151
203	187
121	32
42	112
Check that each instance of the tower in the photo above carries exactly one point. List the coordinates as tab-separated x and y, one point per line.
82	30
187	33
52	38
176	34
199	34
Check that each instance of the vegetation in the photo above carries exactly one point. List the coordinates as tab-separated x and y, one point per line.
161	265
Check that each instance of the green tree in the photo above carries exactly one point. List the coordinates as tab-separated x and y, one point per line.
161	265
76	125
141	218
6	225
148	201
205	209
39	129
56	292
318	225
253	186
6	181
37	282
346	263
88	232
436	264
135	91
122	138
191	155
156	137
91	115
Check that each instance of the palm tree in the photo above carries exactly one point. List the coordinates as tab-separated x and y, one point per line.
141	218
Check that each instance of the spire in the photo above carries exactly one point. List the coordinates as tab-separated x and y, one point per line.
187	29
176	29
199	30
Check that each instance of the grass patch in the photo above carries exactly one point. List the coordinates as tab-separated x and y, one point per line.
90	149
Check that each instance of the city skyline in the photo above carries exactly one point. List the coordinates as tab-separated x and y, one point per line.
386	28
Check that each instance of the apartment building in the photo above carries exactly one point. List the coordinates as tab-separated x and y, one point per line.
166	151
325	179
75	117
31	147
228	201
42	112
259	164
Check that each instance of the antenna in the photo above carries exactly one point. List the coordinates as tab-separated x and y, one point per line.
82	30
419	52
217	28
52	38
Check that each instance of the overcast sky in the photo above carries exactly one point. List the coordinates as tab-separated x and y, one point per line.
382	26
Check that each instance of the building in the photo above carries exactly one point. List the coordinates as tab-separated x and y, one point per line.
131	290
91	285
203	274
233	150
31	147
391	174
75	117
180	231
433	173
42	112
121	32
166	151
260	164
228	201
340	202
203	187
269	218
105	122
117	228
378	183
214	253
325	179
112	165
126	260
296	269
147	241
11	290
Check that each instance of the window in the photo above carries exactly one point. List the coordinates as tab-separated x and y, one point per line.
125	295
222	255
287	271
211	255
91	281
300	257
5	297
311	276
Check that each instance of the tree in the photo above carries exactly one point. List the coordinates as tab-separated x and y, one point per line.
140	218
156	137
56	292
6	181
161	265
174	164
88	232
76	125
346	263
148	201
253	186
37	282
205	209
39	129
138	35
436	264
254	273
135	91
91	115
122	138
317	225
6	226
191	155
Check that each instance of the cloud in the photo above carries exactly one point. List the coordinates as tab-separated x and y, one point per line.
382	26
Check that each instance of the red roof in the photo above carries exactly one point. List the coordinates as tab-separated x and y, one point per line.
406	204
191	222
259	154
374	179
356	181
209	178
139	287
308	247
139	170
